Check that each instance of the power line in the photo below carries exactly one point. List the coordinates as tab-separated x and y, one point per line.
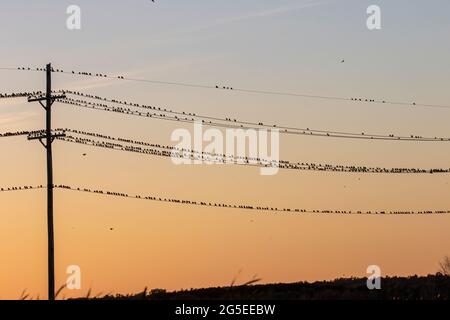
14	134
19	94
242	206
31	134
204	157
23	69
227	120
21	188
191	118
246	207
9	68
242	90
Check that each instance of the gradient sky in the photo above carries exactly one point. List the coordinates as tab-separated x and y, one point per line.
293	46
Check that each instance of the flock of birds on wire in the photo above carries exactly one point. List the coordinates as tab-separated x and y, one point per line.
161	113
165	114
160	150
207	157
224	205
190	117
221	87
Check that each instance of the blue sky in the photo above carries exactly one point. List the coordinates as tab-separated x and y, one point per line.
236	41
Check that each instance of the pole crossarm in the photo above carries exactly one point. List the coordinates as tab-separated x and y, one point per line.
45	98
41	136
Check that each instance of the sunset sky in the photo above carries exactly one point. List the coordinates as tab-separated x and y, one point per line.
286	45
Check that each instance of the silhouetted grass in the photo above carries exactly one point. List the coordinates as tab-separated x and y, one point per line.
431	287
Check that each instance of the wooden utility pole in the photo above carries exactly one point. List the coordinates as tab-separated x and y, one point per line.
48	137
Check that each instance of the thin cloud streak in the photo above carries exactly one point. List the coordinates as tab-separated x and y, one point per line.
269	12
248	16
12	102
17	119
